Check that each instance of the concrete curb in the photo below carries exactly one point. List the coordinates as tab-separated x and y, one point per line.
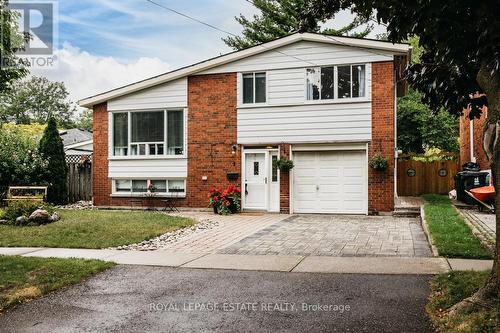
477	232
434	249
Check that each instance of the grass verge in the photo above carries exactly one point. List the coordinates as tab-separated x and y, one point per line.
25	278
452	237
93	229
449	289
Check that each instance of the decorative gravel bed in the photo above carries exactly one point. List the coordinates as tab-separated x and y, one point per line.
164	240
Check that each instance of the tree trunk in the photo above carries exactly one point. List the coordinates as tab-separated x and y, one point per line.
491	87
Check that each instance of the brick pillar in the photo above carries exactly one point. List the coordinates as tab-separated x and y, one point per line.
381	183
211	135
101	185
285	182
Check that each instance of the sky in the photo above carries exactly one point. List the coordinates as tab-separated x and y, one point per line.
104	44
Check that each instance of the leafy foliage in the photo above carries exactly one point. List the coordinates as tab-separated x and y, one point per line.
11	67
85	120
420	128
226	201
379	162
279	18
36	100
284	164
460	40
51	148
20	161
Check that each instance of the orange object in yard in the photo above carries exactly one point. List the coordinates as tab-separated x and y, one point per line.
485	193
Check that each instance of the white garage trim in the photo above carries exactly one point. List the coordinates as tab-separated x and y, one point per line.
329	147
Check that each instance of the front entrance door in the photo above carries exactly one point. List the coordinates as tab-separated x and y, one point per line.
261	187
255	181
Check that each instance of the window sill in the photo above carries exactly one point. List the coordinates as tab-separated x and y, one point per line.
141	196
169	157
317	102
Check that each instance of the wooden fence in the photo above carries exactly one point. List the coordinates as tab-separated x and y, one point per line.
416	178
79	178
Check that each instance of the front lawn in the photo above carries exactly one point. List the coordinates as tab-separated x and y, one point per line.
449	289
452	237
24	278
93	229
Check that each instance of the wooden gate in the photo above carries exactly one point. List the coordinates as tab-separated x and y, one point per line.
79	178
416	178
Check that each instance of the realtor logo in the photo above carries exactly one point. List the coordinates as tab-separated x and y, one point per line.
37	20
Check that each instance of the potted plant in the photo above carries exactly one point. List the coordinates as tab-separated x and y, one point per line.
379	162
284	164
225	202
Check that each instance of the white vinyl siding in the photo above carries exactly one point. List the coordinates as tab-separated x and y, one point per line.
303	54
151	168
168	95
342	122
286	86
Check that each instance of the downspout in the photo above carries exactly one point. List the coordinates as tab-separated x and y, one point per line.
471	141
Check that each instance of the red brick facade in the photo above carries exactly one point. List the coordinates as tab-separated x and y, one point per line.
478	153
381	183
101	185
211	135
212	142
285	183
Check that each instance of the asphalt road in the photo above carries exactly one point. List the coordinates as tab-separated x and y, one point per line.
159	299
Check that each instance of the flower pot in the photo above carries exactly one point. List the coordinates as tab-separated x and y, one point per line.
216	211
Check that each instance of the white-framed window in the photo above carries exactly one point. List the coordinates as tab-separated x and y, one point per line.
336	82
163	187
148	133
254	88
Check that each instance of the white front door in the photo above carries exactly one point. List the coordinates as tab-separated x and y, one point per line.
255	181
261	181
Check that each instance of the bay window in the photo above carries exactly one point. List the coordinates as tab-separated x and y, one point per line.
336	82
148	133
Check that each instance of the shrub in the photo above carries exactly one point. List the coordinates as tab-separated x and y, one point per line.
51	148
24	208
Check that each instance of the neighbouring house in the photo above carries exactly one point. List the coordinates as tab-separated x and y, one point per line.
327	103
471	139
77	141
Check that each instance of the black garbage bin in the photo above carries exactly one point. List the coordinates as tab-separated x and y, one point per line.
466	180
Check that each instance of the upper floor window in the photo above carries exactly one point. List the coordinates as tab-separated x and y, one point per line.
254	88
150	133
325	83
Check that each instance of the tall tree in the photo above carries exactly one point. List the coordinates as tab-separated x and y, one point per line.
279	18
460	66
419	127
85	120
52	149
36	100
11	41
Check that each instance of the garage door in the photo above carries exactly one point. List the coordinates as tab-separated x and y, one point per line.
330	182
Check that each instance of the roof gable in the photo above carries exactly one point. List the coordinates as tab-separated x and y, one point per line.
206	66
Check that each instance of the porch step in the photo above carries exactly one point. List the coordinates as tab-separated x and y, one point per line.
406	212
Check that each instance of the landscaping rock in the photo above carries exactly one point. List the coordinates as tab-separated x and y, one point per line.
22	220
170	237
4	222
40	216
55	217
80	205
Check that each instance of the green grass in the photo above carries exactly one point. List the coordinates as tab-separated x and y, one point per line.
452	237
93	229
24	278
447	289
